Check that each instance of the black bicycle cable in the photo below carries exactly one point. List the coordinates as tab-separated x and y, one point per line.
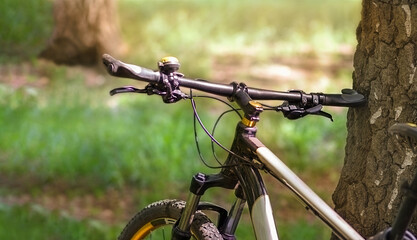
197	118
213	139
199	150
214	129
236	110
232	109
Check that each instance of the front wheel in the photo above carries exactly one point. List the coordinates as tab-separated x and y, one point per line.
156	221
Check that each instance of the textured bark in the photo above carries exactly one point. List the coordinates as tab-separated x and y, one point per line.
369	190
84	30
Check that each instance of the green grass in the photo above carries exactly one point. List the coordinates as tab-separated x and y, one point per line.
304	230
96	144
25	28
36	223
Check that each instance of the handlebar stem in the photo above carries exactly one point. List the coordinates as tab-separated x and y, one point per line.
251	108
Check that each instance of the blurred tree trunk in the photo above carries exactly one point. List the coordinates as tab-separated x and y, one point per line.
369	190
84	29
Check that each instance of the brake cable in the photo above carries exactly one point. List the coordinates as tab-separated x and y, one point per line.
232	109
213	139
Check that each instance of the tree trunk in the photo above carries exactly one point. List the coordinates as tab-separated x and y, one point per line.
84	30
369	190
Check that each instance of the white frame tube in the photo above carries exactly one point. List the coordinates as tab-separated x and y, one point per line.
262	219
295	184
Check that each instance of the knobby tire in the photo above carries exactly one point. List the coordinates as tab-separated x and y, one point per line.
165	213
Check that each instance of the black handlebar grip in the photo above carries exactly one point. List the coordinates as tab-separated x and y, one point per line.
348	98
118	68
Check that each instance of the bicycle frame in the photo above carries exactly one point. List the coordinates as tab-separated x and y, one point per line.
248	179
248	155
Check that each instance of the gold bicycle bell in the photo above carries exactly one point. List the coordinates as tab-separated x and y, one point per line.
169	65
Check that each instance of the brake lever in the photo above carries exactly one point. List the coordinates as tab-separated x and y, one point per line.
294	112
150	89
127	89
324	114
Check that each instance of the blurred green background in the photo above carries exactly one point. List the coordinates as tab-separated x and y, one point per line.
76	163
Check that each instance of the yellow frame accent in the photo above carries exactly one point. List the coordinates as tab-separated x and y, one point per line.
248	122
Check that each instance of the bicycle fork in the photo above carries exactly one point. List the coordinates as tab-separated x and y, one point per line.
227	222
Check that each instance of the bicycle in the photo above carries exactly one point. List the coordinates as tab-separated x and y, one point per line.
246	158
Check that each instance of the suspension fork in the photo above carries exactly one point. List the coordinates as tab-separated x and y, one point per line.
229	226
199	184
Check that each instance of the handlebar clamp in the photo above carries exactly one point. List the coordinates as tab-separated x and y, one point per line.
170	87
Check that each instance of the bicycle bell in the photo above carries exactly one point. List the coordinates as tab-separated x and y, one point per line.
169	65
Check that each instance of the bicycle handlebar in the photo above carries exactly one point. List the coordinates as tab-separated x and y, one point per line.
348	98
